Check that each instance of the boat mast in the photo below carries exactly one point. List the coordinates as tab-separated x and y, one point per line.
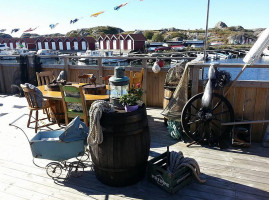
206	30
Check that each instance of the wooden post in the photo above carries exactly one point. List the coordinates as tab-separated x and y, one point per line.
195	80
2	80
144	85
194	89
66	68
100	70
31	60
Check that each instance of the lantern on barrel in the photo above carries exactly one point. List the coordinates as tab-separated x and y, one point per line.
119	85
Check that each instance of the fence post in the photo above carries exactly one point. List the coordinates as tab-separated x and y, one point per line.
100	69
2	80
66	68
31	60
195	79
144	85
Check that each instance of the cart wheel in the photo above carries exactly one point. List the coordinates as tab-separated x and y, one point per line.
203	125
84	157
54	169
76	168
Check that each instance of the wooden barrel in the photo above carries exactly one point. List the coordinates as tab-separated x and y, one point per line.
122	157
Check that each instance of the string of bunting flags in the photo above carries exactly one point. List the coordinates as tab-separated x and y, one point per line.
72	21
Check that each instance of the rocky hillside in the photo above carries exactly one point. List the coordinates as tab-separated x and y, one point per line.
220	33
4	35
94	31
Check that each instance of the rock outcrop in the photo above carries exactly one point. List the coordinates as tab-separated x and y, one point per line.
221	25
138	32
5	35
241	38
94	31
29	35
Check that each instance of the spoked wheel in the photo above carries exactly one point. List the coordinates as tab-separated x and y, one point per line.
84	157
54	169
203	125
76	168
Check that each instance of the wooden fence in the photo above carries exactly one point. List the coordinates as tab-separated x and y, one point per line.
250	99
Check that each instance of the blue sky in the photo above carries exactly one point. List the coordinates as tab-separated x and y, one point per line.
146	14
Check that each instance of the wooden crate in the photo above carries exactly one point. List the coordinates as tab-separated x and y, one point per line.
170	182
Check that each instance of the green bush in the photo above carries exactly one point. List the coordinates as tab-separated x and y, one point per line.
157	37
148	34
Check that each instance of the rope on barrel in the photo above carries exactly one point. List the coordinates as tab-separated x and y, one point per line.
177	161
95	113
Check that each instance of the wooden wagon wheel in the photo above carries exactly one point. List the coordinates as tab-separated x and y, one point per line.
54	169
203	125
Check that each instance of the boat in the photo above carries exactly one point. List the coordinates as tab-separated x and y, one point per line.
5	52
90	56
23	52
47	52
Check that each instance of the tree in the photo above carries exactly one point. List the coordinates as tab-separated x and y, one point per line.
179	35
157	37
149	34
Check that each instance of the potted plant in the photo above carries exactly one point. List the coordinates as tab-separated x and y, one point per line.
131	100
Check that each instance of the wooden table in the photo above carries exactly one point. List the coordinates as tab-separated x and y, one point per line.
55	99
56	95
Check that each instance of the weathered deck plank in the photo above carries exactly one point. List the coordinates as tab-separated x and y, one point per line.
231	174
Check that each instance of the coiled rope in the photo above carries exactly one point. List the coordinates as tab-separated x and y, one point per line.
177	161
95	113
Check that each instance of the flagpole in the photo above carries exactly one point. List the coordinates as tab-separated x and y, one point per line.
206	30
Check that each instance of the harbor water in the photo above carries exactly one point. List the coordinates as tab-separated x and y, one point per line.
261	74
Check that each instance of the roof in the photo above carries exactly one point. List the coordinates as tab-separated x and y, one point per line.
89	39
101	36
39	38
8	39
137	37
123	36
109	36
28	40
48	39
115	36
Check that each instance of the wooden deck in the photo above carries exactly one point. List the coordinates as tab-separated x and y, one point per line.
230	174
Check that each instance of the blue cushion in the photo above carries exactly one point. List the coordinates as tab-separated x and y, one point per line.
75	130
39	95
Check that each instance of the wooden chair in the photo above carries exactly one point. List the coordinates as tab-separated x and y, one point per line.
74	103
31	96
136	78
44	78
87	78
105	80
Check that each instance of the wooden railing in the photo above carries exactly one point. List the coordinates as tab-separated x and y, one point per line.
250	99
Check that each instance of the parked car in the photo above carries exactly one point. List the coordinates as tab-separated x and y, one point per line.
197	46
178	47
151	49
163	48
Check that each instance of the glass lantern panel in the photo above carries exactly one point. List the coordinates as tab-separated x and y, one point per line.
118	91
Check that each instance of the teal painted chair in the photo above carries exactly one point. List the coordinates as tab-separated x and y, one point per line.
74	103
